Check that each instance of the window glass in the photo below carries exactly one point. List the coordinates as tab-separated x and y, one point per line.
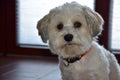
30	11
115	30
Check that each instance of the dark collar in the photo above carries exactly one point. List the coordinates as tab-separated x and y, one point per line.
74	59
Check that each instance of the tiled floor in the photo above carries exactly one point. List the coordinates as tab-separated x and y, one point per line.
42	68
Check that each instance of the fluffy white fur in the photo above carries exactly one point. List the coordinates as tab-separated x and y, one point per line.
84	25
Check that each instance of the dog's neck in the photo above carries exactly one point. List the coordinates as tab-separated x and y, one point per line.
74	59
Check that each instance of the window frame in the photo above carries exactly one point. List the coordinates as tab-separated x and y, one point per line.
8	23
105	11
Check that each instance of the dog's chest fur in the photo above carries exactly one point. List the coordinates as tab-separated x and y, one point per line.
88	68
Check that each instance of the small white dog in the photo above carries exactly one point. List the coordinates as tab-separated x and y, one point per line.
71	30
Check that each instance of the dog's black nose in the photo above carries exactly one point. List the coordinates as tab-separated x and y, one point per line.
68	37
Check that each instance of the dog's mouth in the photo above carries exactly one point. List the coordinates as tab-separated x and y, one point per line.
70	49
71	45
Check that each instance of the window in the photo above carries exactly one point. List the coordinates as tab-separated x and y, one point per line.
115	28
29	12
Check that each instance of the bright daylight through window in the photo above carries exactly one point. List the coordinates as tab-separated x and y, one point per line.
115	39
29	12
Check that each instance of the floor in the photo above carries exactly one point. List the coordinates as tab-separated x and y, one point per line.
40	68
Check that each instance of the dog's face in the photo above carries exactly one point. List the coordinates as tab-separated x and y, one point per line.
70	29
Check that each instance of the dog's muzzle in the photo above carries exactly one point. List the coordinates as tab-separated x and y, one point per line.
68	37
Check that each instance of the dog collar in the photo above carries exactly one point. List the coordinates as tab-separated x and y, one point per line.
74	59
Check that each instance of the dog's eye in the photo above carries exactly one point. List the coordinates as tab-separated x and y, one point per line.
77	24
60	26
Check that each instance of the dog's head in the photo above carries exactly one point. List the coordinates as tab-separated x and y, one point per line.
70	29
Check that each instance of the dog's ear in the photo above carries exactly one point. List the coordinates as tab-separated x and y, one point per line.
94	21
42	27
